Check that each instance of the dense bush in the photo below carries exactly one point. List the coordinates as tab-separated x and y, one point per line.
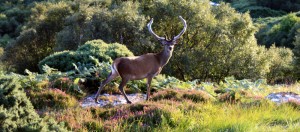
279	31
37	38
296	52
113	21
285	5
255	10
281	66
180	95
13	15
219	41
217	45
52	98
17	112
63	61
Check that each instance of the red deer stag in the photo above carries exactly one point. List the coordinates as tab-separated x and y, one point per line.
144	66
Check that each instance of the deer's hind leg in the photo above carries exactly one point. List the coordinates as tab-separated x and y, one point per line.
111	76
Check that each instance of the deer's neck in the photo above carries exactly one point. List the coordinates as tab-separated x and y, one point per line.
164	57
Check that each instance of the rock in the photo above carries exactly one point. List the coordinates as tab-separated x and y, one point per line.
283	97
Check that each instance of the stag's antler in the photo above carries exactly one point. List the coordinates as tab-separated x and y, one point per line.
184	28
164	38
151	31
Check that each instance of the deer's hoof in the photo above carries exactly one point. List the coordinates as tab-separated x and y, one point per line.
129	102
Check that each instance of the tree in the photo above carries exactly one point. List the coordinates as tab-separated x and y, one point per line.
280	31
280	64
38	39
296	52
219	41
122	23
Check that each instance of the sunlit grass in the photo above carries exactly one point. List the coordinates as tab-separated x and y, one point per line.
191	110
183	114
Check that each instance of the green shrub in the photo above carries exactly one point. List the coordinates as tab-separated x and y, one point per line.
142	117
17	112
285	5
63	61
233	91
280	31
255	10
53	98
94	126
196	96
67	85
181	95
280	65
296	59
166	94
259	11
37	37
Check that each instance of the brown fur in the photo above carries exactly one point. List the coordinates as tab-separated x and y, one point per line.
139	67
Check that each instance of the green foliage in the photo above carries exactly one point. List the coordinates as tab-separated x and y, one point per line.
63	61
169	109
285	5
219	41
51	79
255	9
4	40
231	83
281	65
197	96
12	17
296	52
37	39
279	31
169	82
16	111
233	91
166	95
52	98
180	95
111	22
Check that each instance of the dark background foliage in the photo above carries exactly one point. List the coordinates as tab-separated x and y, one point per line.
231	39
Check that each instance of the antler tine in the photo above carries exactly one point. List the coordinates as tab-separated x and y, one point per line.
151	31
184	29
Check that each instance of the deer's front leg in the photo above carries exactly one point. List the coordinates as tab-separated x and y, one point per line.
149	79
121	88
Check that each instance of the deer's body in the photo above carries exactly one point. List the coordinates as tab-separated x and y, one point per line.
138	67
144	66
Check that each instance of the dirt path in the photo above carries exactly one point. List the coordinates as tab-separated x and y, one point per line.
111	100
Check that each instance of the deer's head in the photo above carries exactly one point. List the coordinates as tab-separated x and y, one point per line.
168	43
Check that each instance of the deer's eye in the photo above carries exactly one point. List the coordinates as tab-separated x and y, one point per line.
170	48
